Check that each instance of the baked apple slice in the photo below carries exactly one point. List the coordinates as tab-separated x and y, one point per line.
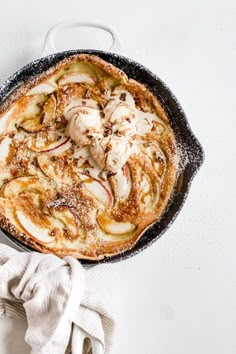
150	190
123	182
5	120
97	189
57	168
25	194
49	141
110	226
59	147
12	188
146	190
33	125
8	211
76	77
5	143
40	123
69	218
157	156
45	87
37	232
49	110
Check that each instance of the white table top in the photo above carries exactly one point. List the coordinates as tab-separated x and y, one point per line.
179	295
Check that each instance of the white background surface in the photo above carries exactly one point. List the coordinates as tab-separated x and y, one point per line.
179	296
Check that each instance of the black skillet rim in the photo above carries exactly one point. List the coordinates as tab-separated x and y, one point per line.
193	151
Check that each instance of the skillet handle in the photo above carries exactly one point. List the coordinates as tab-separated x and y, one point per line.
49	45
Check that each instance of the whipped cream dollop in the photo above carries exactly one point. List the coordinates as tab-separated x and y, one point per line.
110	153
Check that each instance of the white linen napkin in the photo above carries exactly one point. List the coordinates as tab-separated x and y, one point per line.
54	293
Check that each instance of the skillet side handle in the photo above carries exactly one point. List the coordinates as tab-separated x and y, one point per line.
49	43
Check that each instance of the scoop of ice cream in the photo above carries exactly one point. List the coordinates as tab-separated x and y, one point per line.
110	153
84	125
123	121
120	112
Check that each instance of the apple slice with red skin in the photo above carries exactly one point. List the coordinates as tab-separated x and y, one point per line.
76	77
126	172
121	183
61	148
110	226
62	142
97	188
36	232
44	87
57	168
25	194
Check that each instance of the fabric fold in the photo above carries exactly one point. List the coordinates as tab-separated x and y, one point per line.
52	294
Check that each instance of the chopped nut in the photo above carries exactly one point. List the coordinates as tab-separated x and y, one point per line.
110	173
107	129
52	232
123	96
107	125
100	106
65	230
102	175
12	134
34	162
137	101
106	133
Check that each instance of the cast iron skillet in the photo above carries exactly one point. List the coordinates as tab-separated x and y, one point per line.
191	157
